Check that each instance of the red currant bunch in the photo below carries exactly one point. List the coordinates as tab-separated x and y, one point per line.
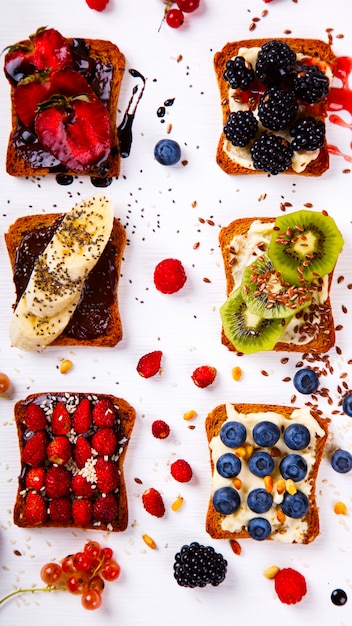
174	16
83	573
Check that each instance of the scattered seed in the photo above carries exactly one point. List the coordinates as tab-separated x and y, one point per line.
189	415
271	572
235	546
149	542
65	366
236	373
340	508
176	505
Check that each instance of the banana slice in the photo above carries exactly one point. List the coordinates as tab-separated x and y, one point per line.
58	276
70	255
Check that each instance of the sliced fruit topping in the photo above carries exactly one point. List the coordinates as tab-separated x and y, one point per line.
304	245
247	331
50	50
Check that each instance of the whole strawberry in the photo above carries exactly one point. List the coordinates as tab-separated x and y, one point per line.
181	471
35	417
34	452
290	586
149	364
82	417
82	512
35	509
60	420
160	429
104	415
169	276
59	450
153	502
204	376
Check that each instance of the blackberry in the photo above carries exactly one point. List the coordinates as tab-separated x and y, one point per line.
308	134
275	64
239	73
310	84
240	127
277	108
196	566
271	153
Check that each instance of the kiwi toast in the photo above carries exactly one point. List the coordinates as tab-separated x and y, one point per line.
278	279
273	111
264	462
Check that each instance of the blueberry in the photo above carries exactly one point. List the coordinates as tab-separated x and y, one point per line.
259	500
167	152
228	465
295	506
297	436
266	434
259	528
261	464
233	434
293	466
339	597
341	461
347	405
226	500
306	381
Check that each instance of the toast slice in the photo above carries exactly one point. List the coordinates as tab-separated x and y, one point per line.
318	52
317	334
96	320
283	528
84	488
27	157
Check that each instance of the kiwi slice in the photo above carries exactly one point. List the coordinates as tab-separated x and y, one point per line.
266	293
304	245
246	331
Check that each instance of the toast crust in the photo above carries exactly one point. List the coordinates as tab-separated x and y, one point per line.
104	53
323	342
213	424
113	332
311	47
126	416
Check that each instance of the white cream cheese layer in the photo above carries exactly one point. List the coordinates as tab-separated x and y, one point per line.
291	529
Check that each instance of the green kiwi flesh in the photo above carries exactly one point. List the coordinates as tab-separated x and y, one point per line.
304	245
266	294
247	332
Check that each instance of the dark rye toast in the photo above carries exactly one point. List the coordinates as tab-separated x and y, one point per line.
105	331
30	159
280	527
314	48
39	514
323	335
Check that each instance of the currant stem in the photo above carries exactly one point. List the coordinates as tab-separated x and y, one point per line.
48	588
168	4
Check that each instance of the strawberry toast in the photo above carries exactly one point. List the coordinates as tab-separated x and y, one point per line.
64	95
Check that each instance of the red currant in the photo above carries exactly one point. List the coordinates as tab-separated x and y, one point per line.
4	382
174	18
77	583
68	565
92	549
188	6
107	553
51	573
110	570
96	583
91	599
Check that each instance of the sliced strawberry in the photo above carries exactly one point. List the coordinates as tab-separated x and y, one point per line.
82	512
35	512
107	475
105	508
82	417
35	478
69	82
60	420
104	414
57	481
35	417
18	62
51	50
34	451
75	130
81	487
60	511
82	451
59	450
104	441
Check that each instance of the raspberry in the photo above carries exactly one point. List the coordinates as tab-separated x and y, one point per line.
107	475
153	502
81	487
105	508
181	471
104	441
82	417
81	512
59	450
149	364
82	451
57	482
35	417
290	586
60	511
60	420
204	376
104	413
169	276
35	478
160	429
34	452
35	511
97	5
